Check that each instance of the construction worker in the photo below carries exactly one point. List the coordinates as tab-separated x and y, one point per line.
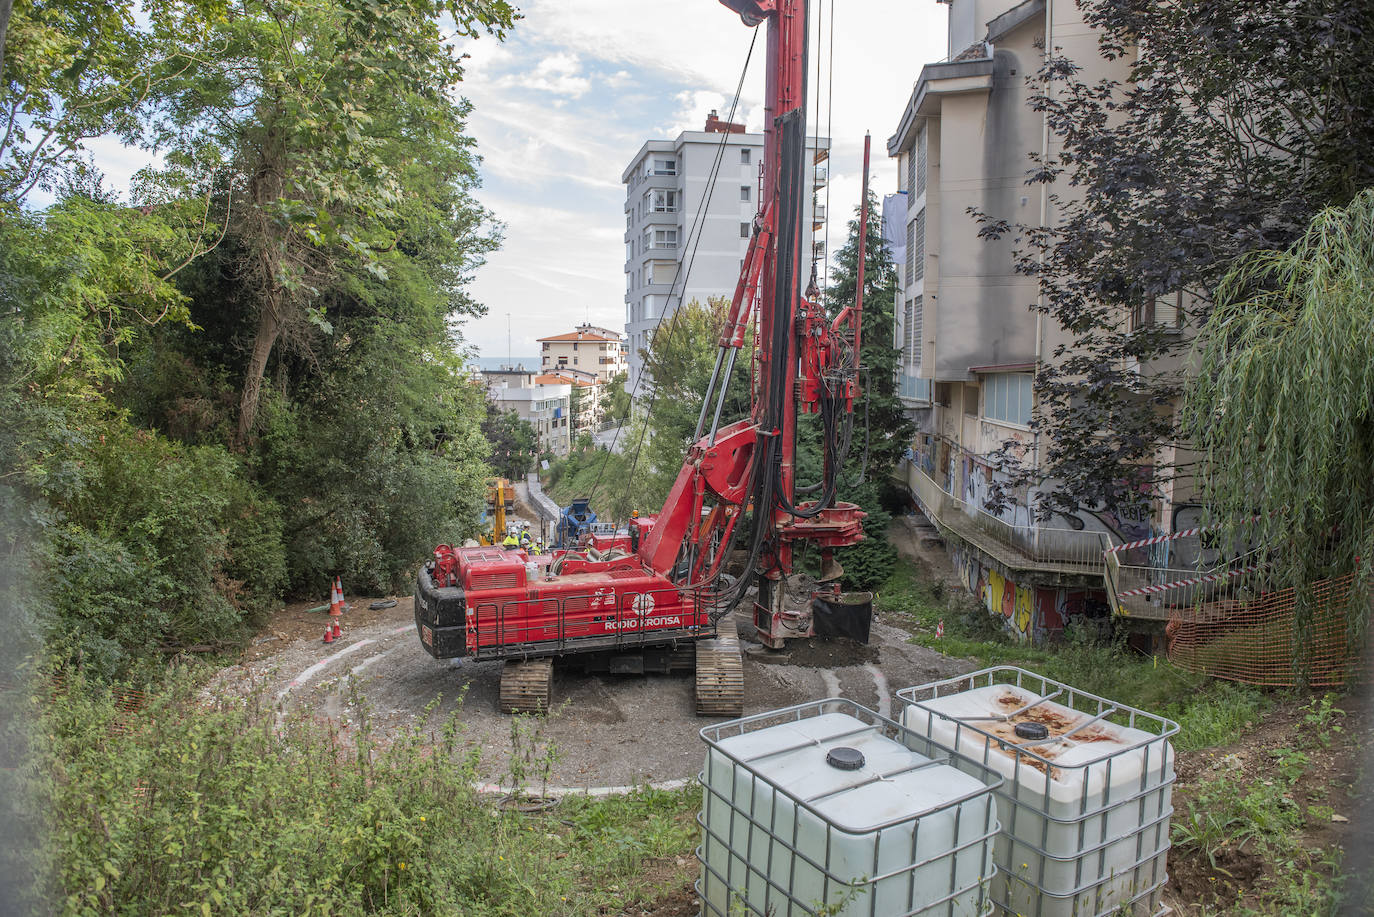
525	541
510	543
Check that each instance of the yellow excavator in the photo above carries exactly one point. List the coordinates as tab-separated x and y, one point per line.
500	500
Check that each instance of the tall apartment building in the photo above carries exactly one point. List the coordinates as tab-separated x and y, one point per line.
666	186
969	341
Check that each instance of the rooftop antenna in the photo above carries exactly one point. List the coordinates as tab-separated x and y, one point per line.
510	361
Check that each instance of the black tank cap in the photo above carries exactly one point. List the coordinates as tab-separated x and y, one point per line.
1032	731
845	758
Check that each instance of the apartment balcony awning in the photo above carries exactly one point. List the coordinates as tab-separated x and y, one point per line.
1002	368
968	71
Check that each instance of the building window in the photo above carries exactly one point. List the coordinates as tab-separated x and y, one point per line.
1165	312
910	252
916	248
663	271
744	157
659	166
745	193
970	400
660	201
744	230
1008	398
660	238
920	165
912	328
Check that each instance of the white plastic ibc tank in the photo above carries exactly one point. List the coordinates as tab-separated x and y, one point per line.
829	807
1086	803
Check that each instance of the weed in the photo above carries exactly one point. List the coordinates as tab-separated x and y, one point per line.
216	801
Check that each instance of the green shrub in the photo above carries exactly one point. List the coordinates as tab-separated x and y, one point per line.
152	547
209	806
357	500
868	564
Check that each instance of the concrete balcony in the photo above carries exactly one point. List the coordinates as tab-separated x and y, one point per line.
1018	547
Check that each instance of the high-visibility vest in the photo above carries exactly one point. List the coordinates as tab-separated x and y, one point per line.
510	542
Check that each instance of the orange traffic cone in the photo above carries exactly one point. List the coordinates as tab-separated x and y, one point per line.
328	634
336	599
336	630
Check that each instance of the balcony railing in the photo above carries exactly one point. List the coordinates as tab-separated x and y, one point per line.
1068	550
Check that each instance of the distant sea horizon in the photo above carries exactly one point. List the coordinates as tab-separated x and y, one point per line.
482	362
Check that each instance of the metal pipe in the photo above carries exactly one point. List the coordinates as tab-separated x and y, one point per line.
706	397
720	399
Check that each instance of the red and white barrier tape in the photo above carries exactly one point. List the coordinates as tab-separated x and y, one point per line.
1172	536
1209	578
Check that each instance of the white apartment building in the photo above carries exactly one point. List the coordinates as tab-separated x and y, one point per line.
968	338
587	393
544	404
666	187
588	348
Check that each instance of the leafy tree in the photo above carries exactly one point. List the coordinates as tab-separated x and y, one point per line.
322	116
123	345
616	399
680	358
576	398
1286	380
73	70
513	442
1236	122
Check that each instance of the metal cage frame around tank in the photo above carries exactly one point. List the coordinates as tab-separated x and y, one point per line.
1014	792
712	736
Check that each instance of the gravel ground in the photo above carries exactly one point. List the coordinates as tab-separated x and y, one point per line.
607	730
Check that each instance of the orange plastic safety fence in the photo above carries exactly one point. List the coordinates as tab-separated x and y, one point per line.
1255	639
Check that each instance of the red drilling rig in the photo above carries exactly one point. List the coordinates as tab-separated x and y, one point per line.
658	599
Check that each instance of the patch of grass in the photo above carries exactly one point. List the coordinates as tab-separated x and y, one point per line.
1234	826
205	803
1208	711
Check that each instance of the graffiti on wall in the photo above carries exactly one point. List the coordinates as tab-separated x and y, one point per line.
1036	614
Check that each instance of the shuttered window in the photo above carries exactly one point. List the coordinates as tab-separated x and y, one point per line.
910	252
916	248
920	164
911	337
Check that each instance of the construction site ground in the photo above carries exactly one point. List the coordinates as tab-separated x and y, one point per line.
611	732
607	730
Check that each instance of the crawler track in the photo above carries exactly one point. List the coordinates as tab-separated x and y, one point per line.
720	673
525	686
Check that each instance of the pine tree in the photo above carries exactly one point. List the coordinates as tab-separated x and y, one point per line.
881	430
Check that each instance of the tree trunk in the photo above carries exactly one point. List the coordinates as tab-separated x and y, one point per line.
269	329
6	6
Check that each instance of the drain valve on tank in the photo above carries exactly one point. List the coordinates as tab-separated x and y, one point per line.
845	758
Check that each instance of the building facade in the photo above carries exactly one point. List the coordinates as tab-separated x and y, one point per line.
588	401
588	349
685	240
969	340
542	400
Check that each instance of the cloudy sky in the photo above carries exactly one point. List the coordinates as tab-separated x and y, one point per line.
579	85
563	104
